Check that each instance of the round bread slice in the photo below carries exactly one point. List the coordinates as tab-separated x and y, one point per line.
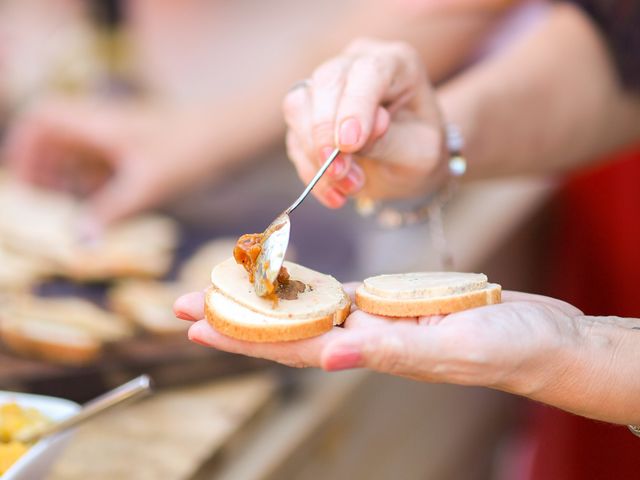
234	309
56	343
425	293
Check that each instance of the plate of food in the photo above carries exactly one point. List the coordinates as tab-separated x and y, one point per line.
21	413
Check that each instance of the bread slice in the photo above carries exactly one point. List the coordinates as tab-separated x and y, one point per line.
195	272
425	293
44	225
51	342
234	309
60	330
148	304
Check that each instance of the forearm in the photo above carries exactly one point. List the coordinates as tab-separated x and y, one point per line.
551	102
599	375
249	119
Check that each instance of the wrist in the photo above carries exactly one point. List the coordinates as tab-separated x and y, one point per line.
593	374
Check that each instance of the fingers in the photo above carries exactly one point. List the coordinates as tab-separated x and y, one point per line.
302	353
189	306
326	87
567	308
343	106
324	191
399	347
130	190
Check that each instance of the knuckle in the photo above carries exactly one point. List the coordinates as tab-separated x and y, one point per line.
387	354
322	133
329	75
404	51
292	104
358	44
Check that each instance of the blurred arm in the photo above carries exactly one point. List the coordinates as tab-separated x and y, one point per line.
445	37
552	102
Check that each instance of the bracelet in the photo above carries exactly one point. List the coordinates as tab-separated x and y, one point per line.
430	210
635	429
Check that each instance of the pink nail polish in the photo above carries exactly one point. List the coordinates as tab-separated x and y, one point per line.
343	358
338	167
334	198
185	316
349	132
355	178
324	153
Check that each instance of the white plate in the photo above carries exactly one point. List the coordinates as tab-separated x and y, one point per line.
39	458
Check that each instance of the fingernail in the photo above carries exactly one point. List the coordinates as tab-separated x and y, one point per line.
343	358
325	152
349	132
338	167
192	334
355	178
334	198
185	316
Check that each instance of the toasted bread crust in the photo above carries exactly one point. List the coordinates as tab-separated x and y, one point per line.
426	306
297	330
60	353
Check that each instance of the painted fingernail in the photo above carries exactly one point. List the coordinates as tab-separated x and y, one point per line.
355	178
338	167
349	132
334	198
185	316
325	152
343	358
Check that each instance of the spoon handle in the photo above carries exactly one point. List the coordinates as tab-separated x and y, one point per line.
313	181
135	388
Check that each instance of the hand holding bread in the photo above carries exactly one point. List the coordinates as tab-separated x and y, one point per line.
531	345
504	346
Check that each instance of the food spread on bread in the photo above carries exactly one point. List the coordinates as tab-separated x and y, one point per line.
246	252
16	421
234	309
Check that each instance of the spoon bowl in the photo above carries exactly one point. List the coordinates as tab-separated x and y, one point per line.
275	239
274	248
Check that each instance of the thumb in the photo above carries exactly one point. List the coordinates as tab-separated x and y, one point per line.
400	348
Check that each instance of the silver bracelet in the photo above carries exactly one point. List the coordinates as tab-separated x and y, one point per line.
635	429
430	210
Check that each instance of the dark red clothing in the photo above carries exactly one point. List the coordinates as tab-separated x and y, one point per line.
596	259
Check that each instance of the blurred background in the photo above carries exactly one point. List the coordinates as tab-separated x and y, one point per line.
100	100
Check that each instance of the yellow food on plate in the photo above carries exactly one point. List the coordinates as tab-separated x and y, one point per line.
10	453
14	421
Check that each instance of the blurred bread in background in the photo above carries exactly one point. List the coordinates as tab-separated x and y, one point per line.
44	225
62	330
195	273
148	305
20	272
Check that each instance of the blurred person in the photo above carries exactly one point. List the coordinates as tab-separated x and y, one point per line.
557	99
171	141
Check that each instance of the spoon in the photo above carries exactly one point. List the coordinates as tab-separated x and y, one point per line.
275	238
136	388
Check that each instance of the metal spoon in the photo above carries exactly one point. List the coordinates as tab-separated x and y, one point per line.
276	238
136	388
